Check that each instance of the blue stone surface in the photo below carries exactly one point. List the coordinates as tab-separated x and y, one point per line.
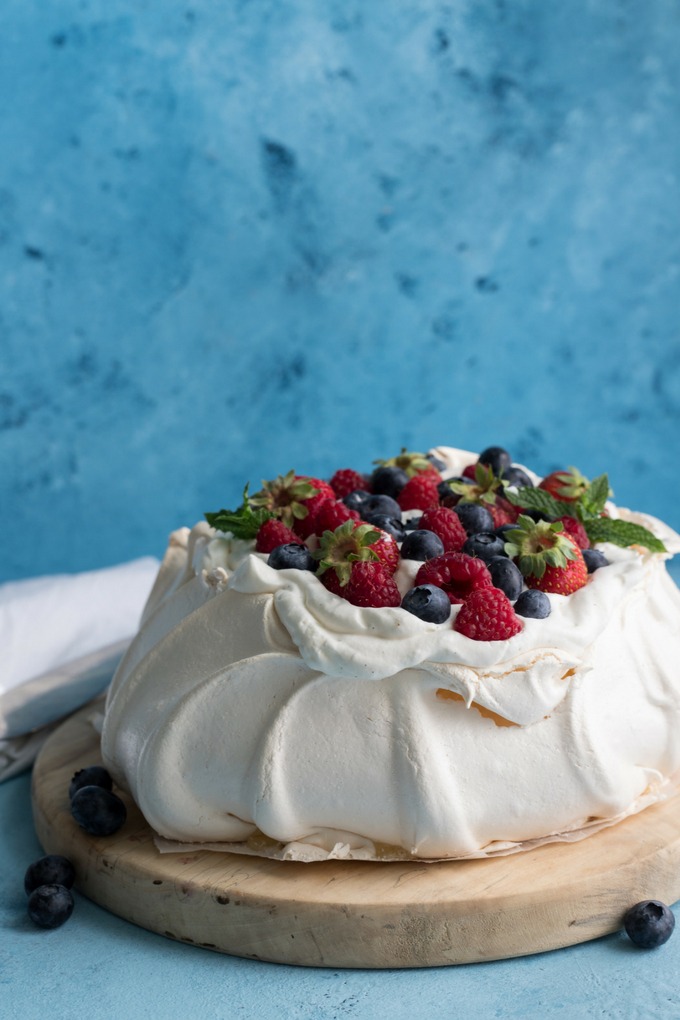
238	238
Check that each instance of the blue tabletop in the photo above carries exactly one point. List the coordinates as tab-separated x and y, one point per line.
98	966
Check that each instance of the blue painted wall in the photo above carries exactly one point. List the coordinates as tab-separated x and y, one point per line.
241	237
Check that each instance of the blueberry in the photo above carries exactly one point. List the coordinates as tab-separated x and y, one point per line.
50	870
496	458
386	522
291	556
355	500
485	545
99	812
413	523
537	515
474	517
428	603
594	559
649	924
50	905
93	775
421	545
380	504
388	481
503	529
534	604
506	576
515	475
436	462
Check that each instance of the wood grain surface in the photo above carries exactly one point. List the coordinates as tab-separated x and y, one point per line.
356	914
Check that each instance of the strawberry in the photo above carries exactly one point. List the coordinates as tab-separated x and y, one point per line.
456	573
487	615
347	480
291	497
412	463
340	550
567	486
547	556
469	471
273	533
420	492
446	524
387	550
370	585
576	531
329	515
502	512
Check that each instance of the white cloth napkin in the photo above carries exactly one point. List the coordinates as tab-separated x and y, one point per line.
61	639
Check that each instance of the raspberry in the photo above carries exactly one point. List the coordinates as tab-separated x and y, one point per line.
347	480
457	574
576	531
421	491
487	615
469	471
273	533
446	524
369	585
329	515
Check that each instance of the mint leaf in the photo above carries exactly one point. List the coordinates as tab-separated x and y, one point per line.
623	533
530	498
594	498
242	523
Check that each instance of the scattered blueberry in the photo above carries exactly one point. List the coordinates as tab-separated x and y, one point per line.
388	481
485	545
496	458
428	603
50	870
291	556
386	522
506	576
515	475
474	517
98	811
436	462
594	559
380	504
422	545
93	775
537	515
50	905
649	924
355	500
413	523
533	604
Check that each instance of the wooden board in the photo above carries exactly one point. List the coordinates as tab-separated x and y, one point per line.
357	914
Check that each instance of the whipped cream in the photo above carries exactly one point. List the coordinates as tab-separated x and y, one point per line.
255	701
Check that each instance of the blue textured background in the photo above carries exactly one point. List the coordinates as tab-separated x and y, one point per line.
241	237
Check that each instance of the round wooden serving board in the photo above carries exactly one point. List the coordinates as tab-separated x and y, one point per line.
357	914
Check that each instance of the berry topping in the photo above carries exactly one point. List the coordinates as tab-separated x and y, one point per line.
484	544
412	464
392	525
50	905
533	604
93	775
517	476
421	545
345	481
428	603
273	533
576	531
456	574
496	458
502	512
506	576
549	559
566	486
351	543
369	585
388	481
291	556
649	924
329	515
355	500
487	615
594	559
474	517
291	497
420	492
50	870
380	504
447	524
98	811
